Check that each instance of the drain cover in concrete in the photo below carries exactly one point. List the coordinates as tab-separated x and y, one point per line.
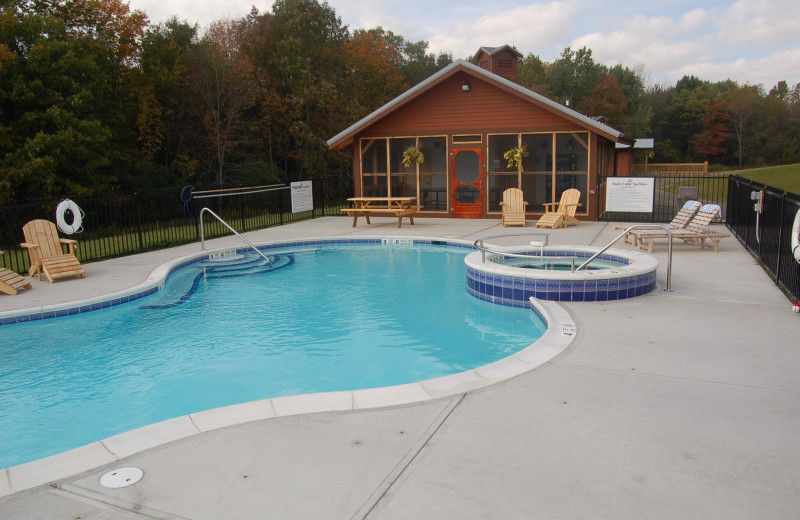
121	477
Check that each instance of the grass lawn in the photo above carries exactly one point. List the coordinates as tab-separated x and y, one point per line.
708	189
783	177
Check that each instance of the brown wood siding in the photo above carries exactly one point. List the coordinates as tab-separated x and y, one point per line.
484	108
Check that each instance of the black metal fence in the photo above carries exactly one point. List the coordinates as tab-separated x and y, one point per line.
670	193
766	234
117	225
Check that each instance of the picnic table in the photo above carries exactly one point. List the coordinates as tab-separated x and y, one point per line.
400	206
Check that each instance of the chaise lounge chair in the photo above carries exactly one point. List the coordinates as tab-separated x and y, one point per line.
696	231
680	221
11	282
513	207
565	212
46	251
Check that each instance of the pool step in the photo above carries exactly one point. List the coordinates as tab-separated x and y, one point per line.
246	265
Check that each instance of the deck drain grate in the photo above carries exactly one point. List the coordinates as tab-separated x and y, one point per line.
121	477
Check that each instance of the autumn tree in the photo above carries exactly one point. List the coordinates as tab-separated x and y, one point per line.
711	140
373	72
608	100
222	78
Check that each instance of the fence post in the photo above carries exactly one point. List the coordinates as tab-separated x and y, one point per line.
780	236
280	204
139	222
241	213
320	189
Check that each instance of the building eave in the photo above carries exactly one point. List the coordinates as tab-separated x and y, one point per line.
345	138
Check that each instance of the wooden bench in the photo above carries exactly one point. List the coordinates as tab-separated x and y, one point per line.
400	213
399	206
11	282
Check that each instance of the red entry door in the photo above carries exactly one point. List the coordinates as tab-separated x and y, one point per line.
467	190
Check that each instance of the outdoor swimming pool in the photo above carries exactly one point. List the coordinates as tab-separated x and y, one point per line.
324	317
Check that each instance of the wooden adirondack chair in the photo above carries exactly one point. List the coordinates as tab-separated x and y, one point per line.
513	207
46	251
11	282
564	212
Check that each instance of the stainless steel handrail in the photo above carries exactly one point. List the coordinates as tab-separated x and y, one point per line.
483	249
635	226
203	242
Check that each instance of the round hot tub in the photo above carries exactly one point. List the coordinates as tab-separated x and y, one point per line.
547	274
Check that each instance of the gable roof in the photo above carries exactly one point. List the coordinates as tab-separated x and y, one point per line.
344	138
491	51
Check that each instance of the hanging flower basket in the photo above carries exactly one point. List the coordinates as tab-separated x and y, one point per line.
515	156
412	154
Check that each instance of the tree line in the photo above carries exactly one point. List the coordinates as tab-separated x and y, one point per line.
96	99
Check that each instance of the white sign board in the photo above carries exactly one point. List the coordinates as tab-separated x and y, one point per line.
302	197
634	194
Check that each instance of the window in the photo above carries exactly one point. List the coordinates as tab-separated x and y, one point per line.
433	174
555	162
403	178
501	175
383	173
374	167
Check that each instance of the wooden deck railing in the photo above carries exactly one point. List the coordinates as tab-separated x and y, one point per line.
659	168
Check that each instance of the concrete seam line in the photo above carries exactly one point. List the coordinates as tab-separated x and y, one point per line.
380	492
86	496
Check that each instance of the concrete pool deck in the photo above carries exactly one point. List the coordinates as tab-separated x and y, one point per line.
682	404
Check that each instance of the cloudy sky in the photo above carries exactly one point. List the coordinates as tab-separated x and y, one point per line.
749	41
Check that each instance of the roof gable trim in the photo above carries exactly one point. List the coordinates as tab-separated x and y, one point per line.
462	65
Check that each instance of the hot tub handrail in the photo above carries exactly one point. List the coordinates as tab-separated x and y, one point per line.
202	237
635	226
483	249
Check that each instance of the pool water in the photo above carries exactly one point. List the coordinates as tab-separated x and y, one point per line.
337	318
558	264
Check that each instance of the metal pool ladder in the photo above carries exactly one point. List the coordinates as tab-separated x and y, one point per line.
203	242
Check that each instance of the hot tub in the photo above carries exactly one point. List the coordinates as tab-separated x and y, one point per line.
505	280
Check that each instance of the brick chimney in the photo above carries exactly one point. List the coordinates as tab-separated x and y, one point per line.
500	60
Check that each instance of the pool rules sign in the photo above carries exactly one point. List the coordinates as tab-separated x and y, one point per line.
302	197
634	194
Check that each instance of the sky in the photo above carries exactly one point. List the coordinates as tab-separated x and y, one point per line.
748	41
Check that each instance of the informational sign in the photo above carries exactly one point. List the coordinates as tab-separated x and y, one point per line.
302	196
633	194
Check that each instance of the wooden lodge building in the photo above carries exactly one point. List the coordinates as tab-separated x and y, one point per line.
463	119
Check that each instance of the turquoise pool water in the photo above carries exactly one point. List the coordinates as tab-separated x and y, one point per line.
326	318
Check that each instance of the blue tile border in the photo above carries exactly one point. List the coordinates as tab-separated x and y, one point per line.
515	285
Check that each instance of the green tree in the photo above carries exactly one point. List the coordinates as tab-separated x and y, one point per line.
305	103
573	76
65	114
167	114
532	73
742	102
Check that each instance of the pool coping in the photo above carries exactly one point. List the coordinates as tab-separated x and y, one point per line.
560	332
